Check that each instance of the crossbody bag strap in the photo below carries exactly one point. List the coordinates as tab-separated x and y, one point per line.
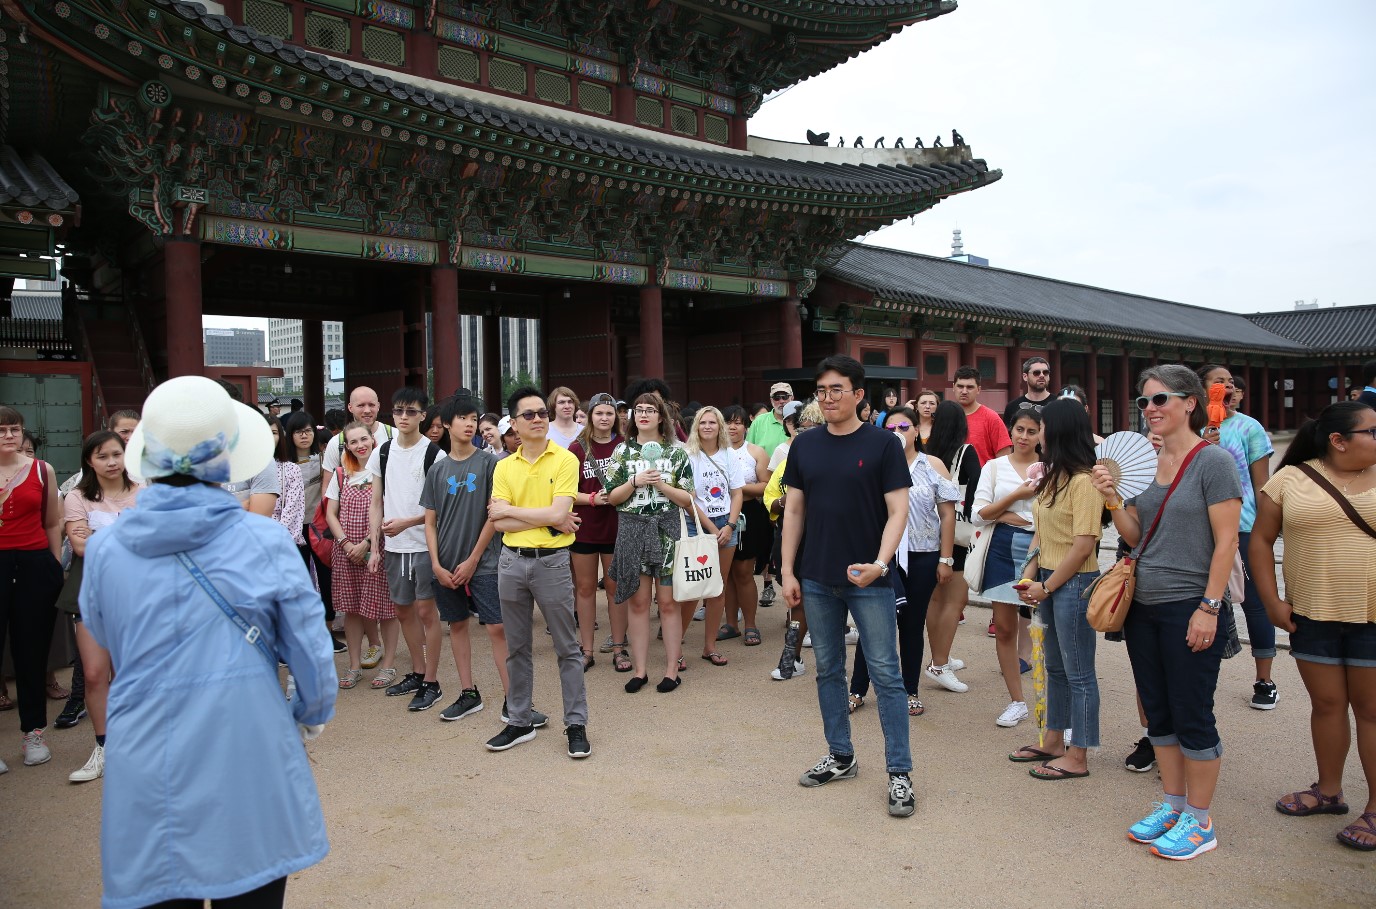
1179	474
1338	497
252	633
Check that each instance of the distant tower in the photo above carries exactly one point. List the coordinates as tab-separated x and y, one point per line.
957	247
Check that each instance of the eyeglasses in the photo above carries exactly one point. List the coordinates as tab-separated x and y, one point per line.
647	411
406	412
835	393
780	396
1159	399
11	430
900	427
302	432
1371	431
529	415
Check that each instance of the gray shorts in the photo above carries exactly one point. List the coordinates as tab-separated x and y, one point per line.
479	599
409	577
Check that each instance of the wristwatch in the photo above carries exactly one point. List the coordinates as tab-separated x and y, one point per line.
948	560
883	568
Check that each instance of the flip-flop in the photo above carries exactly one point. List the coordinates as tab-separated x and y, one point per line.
714	658
726	633
1054	773
1037	755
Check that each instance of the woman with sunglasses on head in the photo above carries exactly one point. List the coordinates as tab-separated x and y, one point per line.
756	533
649	493
717	483
1003	506
595	541
1180	625
1327	476
924	558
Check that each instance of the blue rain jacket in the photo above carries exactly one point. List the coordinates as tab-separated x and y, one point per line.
208	791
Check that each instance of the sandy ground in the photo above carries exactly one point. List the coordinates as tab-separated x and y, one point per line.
691	798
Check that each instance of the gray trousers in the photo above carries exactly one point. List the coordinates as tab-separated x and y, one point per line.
521	583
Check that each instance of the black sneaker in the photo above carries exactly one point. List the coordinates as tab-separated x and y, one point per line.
339	646
71	714
828	769
409	683
510	737
1143	757
426	696
579	746
469	702
537	719
1265	695
902	802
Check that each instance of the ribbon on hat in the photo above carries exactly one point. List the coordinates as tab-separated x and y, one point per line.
207	460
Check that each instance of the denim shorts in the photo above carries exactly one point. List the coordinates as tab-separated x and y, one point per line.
479	598
720	522
1333	643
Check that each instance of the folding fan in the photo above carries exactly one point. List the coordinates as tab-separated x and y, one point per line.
1131	460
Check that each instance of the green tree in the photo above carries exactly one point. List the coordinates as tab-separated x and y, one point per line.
512	382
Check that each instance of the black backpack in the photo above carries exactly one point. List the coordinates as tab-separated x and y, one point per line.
432	452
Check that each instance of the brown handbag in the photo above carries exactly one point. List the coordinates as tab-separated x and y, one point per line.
1110	595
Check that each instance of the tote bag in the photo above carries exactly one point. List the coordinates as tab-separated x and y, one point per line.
697	568
965	531
979	549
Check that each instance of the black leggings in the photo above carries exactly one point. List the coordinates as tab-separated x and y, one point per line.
30	580
919	583
268	896
322	574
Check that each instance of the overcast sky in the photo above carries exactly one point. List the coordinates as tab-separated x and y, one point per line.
1215	152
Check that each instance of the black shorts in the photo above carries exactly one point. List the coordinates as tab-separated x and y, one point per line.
592	548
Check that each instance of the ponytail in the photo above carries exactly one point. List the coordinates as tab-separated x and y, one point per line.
1311	440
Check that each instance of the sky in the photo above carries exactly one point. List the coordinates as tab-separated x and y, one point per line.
1215	153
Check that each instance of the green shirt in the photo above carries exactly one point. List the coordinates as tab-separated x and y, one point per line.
627	461
767	432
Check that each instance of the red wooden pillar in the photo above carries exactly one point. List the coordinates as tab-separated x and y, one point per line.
1280	411
1092	386
651	332
1122	419
1262	403
790	334
1014	368
1342	381
1057	377
313	368
624	111
492	362
181	262
967	352
444	328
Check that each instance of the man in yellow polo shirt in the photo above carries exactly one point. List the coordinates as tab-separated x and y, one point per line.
532	505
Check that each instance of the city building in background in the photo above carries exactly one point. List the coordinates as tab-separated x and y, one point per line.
234	347
284	351
520	352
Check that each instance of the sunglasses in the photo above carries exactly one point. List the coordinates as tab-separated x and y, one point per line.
406	412
1159	399
1028	405
1039	372
780	396
900	427
529	415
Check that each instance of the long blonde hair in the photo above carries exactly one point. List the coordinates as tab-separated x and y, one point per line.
695	440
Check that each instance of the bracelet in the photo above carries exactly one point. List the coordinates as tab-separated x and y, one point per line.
1208	610
1114	507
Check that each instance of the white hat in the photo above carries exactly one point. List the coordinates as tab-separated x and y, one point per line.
503	426
191	426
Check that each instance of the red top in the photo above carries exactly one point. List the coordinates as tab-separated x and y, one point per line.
987	433
599	521
22	513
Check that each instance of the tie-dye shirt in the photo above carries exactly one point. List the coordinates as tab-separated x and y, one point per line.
1246	440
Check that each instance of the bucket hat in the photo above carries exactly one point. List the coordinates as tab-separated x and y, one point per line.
192	427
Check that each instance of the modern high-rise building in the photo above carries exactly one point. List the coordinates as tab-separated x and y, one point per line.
520	347
234	347
284	350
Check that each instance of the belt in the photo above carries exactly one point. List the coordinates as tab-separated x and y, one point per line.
526	552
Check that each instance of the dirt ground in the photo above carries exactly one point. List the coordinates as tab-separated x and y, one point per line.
691	798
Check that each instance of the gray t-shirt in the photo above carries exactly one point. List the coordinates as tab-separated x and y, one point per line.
1176	565
458	493
265	483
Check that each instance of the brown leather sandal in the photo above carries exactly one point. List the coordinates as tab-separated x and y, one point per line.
1295	805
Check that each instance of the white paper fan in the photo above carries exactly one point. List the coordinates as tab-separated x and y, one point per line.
1131	459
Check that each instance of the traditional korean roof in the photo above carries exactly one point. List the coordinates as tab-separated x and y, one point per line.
1349	330
945	287
29	181
47	307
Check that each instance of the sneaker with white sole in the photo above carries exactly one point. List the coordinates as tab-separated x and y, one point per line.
371	657
955	665
945	676
852	636
35	749
700	613
94	769
1012	715
782	672
4	768
608	645
510	737
767	594
1155	825
469	703
1185	840
1264	695
828	770
902	802
537	719
807	639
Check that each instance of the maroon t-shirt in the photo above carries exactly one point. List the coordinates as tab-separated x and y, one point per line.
599	521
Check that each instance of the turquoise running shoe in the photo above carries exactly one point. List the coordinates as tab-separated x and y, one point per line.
1154	826
1186	840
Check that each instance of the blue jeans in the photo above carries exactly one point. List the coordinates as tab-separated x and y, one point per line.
1259	628
1176	684
1072	688
876	620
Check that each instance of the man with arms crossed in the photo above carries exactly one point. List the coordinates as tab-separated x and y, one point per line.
848	494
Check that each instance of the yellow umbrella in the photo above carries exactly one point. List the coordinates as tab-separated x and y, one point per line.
1038	633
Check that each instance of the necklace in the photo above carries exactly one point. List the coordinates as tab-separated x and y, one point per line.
1355	476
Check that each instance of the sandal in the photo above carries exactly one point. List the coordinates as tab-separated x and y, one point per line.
726	633
350	678
1295	805
1363	826
621	662
384	678
57	692
856	702
1029	753
915	707
589	660
682	665
5	702
752	637
715	658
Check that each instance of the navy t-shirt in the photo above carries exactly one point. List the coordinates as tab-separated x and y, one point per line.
843	479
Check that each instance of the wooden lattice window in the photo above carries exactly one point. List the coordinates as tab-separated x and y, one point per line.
507	76
594	98
683	120
384	46
649	111
329	33
459	64
268	17
553	87
716	129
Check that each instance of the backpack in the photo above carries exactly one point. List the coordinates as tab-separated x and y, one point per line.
318	529
432	452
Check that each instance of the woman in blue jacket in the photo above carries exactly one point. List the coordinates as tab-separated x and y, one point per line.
205	804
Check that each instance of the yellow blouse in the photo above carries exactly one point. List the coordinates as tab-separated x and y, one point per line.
1076	513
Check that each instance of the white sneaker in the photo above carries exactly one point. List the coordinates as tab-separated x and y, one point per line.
807	639
4	768
799	668
945	676
700	613
94	769
1012	715
35	749
956	665
852	636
